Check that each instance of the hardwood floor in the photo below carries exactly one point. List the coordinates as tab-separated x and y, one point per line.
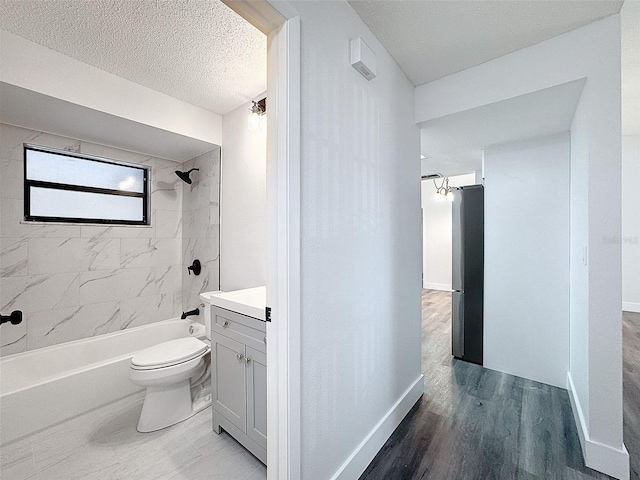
473	423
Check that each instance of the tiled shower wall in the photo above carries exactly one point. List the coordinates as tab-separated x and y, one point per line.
201	228
77	281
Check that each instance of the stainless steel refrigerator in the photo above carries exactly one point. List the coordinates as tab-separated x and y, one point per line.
468	273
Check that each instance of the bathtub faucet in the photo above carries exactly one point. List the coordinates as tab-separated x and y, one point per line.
14	317
195	311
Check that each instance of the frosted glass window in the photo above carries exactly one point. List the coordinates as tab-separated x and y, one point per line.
69	187
47	202
50	167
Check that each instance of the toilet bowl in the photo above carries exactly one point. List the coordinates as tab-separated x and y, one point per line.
176	376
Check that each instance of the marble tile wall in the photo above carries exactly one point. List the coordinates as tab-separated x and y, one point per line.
76	281
201	227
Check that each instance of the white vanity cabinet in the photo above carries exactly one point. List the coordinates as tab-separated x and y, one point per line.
239	378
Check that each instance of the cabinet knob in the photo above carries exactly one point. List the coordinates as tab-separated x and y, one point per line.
225	324
247	360
239	356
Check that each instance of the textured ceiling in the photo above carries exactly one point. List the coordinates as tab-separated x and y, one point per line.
199	51
431	39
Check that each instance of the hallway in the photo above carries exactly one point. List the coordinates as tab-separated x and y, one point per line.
473	423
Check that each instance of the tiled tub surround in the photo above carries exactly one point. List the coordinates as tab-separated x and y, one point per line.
61	381
201	227
77	281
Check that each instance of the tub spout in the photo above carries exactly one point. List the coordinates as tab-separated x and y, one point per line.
15	318
195	311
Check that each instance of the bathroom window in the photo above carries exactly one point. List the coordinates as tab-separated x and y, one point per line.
63	186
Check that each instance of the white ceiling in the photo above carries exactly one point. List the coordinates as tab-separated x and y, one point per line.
198	51
453	144
431	39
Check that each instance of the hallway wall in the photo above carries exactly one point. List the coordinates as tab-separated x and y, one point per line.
526	286
360	244
631	223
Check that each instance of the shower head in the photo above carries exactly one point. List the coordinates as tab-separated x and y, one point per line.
184	176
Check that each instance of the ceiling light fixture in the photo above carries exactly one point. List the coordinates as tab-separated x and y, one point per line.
443	192
258	109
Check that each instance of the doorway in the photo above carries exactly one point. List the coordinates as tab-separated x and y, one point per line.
281	24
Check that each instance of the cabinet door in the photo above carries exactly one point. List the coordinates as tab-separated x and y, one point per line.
229	382
257	396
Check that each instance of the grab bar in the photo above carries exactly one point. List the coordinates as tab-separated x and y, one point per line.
14	317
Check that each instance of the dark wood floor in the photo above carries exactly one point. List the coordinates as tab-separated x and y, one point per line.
473	423
631	339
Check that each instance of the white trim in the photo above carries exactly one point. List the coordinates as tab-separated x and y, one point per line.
362	456
604	458
437	286
578	414
259	13
631	307
279	21
287	310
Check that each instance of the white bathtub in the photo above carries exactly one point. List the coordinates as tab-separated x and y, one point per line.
45	386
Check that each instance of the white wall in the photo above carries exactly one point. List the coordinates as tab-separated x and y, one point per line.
243	254
33	67
631	223
436	234
526	289
578	271
361	247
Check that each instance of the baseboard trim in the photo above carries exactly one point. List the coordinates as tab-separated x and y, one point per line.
629	307
604	458
362	456
437	286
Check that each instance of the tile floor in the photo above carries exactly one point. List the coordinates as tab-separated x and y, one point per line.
104	444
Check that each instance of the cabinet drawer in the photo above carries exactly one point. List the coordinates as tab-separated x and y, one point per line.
247	330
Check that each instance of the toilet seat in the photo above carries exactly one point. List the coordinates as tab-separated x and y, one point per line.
167	354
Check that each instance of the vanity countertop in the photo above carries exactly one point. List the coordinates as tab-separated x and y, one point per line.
250	301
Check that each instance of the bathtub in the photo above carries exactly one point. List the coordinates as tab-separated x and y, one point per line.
42	387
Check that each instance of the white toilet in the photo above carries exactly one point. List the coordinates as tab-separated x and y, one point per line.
177	377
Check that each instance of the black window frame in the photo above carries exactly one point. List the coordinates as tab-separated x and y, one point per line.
146	204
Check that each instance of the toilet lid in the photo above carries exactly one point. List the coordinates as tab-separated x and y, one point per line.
170	353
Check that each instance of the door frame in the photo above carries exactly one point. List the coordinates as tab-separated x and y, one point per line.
280	21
